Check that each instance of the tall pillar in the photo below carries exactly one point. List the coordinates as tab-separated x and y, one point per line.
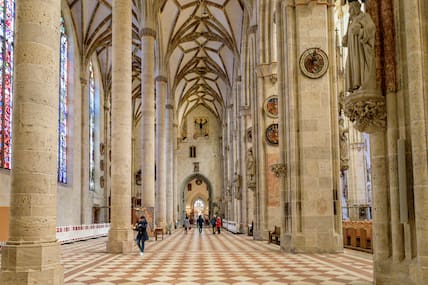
148	119
121	235
308	108
84	138
161	151
169	163
260	227
32	255
175	191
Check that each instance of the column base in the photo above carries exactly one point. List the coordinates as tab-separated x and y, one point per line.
386	271
120	241
31	264
322	243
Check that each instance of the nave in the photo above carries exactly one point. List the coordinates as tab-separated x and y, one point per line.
210	259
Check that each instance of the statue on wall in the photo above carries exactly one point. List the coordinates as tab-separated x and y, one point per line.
343	143
359	39
251	167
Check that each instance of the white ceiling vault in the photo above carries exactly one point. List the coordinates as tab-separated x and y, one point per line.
200	40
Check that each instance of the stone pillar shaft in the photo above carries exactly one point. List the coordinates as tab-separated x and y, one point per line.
32	255
161	151
260	226
121	234
169	163
148	120
84	138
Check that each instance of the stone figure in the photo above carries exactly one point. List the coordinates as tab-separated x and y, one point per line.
251	166
343	143
359	39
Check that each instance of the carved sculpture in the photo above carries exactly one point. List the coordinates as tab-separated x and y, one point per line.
364	105
359	39
251	169
343	143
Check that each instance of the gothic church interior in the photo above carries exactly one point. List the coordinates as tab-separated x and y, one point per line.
301	122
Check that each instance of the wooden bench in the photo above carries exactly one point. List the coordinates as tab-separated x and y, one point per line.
158	231
275	235
357	235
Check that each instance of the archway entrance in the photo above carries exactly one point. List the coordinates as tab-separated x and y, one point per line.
196	198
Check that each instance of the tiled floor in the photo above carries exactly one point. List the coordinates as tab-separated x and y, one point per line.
210	259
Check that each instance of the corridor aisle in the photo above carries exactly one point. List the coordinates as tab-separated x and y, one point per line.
210	259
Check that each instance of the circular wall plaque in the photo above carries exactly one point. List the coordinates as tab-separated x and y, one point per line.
272	134
271	106
314	62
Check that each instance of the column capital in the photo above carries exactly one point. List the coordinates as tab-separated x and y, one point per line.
367	110
83	81
161	78
147	32
169	106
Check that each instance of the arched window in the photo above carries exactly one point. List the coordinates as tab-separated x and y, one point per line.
7	26
91	128
199	206
63	100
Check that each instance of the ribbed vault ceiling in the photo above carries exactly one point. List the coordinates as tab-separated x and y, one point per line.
201	43
198	39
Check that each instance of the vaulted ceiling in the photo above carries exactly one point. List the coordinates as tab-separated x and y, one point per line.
201	43
198	39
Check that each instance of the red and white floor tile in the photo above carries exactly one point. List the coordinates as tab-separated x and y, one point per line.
205	258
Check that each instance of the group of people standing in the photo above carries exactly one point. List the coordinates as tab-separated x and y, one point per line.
215	224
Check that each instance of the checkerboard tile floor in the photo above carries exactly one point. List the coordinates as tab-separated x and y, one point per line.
205	258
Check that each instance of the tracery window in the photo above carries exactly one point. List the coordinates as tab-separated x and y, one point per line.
63	100
7	26
91	128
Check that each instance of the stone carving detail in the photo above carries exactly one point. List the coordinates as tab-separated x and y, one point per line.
368	112
364	105
279	169
359	39
343	143
251	169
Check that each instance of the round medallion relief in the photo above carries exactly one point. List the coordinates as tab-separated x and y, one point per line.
313	63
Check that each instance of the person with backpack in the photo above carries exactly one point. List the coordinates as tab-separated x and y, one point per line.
142	236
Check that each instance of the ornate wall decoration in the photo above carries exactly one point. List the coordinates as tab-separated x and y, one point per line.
250	135
313	63
200	127
271	106
271	134
279	169
367	112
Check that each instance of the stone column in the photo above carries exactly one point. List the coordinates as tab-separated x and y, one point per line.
148	118
169	163
175	196
415	12
310	110
161	151
121	235
84	138
260	227
32	255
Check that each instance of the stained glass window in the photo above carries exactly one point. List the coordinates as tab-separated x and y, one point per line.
7	25
91	129
62	128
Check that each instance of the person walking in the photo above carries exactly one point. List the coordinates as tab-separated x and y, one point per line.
218	224
200	222
186	224
142	236
212	222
